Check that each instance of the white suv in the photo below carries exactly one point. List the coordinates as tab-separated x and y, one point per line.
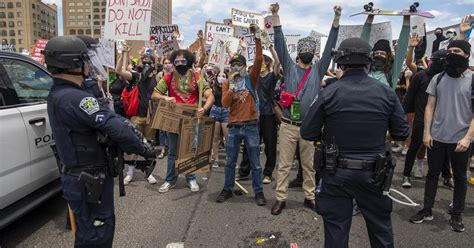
28	171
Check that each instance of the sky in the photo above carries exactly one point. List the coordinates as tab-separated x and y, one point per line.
302	16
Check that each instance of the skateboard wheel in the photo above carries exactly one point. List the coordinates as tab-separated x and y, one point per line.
371	4
366	7
413	8
416	4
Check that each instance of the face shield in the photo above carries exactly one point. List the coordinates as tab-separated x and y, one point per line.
96	68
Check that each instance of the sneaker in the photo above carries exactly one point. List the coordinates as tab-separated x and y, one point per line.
215	164
456	223
240	177
450	208
267	180
166	187
162	154
397	148
260	199
151	179
193	185
127	179
295	164
295	184
406	182
262	148
424	214
449	182
419	174
404	151
224	195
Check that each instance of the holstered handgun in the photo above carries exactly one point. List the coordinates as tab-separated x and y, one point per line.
330	156
93	186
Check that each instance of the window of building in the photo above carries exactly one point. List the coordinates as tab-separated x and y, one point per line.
88	32
11	24
72	32
103	16
19	24
35	33
2	5
96	10
80	10
18	5
103	22
97	23
80	23
72	17
34	24
80	31
96	4
4	33
72	23
96	16
12	32
103	10
12	42
34	16
10	5
80	4
20	32
20	41
18	14
3	24
2	15
72	10
72	4
80	17
11	15
33	6
96	31
87	4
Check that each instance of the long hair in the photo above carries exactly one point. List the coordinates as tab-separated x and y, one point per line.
190	58
387	68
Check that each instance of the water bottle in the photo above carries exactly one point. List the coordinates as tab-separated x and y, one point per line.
295	114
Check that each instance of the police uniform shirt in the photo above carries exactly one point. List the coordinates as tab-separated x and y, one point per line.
356	112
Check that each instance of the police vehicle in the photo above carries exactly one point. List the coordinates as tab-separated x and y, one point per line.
28	170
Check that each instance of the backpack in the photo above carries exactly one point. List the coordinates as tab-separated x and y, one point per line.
248	84
130	100
472	87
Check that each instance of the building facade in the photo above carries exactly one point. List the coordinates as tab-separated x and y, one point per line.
87	17
22	22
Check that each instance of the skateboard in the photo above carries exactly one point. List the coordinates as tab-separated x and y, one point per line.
369	10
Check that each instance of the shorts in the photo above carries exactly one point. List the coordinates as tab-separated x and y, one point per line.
220	114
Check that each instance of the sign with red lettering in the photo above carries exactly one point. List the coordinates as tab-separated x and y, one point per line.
222	49
36	53
163	33
213	28
244	19
128	19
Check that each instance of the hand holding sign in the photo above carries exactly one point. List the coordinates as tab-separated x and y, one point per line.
274	7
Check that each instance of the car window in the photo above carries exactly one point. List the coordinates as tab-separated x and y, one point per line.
30	83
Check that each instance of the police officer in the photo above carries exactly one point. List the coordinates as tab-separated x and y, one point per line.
355	112
76	117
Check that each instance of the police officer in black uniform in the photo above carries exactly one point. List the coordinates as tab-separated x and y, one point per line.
355	112
76	118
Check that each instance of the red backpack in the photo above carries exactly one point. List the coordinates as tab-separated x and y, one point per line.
130	101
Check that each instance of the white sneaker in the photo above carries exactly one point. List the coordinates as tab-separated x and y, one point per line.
127	179
165	187
406	182
193	185
404	151
419	174
215	164
151	179
266	180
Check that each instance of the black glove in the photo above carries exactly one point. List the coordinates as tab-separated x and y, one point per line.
148	153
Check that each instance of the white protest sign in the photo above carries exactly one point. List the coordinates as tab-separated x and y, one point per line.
471	58
248	37
106	53
168	46
291	43
379	31
244	18
417	24
163	33
128	19
223	47
227	21
318	38
213	28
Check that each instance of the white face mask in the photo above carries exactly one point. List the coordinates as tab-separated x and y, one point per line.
450	35
220	80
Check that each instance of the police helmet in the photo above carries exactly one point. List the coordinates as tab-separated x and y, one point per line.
89	41
65	52
353	51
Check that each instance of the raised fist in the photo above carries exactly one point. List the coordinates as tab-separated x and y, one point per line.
337	10
274	7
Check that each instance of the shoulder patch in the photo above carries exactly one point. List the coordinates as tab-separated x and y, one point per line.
89	105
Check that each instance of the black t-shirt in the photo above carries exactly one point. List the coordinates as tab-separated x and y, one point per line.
217	91
265	90
416	97
145	89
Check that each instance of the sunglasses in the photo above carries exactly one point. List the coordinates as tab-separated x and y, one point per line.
180	61
237	64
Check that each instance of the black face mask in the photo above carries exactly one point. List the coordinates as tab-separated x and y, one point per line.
456	65
306	58
379	63
147	70
439	36
436	67
182	69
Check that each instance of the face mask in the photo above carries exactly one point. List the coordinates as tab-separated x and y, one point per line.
264	68
182	69
139	68
237	68
167	67
220	80
439	36
436	67
379	62
450	35
306	58
147	70
456	65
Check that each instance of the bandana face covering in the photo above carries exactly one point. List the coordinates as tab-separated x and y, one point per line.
456	65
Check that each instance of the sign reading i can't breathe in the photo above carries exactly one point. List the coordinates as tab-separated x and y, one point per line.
128	19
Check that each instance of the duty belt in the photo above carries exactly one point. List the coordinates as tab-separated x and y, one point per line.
355	164
294	123
76	171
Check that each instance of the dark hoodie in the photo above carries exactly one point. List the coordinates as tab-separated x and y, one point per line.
437	42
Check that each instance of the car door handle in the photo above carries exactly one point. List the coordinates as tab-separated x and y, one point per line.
40	121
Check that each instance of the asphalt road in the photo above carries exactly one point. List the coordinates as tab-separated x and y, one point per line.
146	218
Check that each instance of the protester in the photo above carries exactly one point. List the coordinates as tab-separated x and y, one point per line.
239	95
439	38
302	85
162	135
448	130
144	79
182	86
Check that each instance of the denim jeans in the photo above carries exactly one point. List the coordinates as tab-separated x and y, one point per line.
171	176
248	133
163	138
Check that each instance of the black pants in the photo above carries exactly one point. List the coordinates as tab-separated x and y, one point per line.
335	202
269	134
459	160
415	144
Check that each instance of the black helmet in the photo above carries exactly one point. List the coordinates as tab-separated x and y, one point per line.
353	51
65	52
89	41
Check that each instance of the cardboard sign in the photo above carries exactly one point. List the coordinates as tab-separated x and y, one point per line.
223	47
106	53
213	28
162	33
291	43
128	19
227	21
379	31
318	37
167	47
244	18
36	54
417	24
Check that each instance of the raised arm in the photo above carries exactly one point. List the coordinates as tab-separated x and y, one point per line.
280	44
331	43
401	49
121	67
465	26
276	62
257	63
365	35
410	61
